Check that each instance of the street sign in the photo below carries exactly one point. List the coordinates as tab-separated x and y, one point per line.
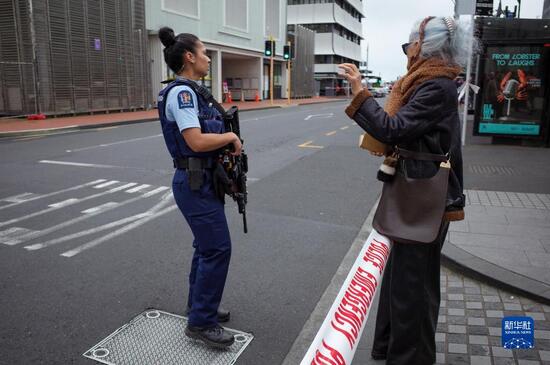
484	7
474	7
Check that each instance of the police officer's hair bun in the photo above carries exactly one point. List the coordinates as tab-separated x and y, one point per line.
167	36
176	46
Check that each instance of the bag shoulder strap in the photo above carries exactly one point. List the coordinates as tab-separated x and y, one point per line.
422	156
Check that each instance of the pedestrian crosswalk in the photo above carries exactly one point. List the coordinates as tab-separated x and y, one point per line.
36	221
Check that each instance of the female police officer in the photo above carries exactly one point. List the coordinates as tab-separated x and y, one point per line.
193	132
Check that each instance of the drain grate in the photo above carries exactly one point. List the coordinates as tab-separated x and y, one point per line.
157	337
491	170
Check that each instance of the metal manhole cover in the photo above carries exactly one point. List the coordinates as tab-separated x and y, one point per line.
491	170
157	337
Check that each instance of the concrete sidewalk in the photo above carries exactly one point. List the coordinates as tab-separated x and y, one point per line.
505	237
16	127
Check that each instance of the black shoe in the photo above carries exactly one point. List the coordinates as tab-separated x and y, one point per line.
223	315
216	336
378	356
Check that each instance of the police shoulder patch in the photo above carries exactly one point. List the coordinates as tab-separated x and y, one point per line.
185	99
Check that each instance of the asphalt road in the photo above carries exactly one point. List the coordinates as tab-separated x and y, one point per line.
90	237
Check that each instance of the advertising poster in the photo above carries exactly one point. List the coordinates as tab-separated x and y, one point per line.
513	90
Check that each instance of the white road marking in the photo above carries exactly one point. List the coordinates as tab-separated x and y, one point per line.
100	207
108	183
330	133
13	231
309	144
114	143
150	215
80	164
63	203
55	193
138	188
50	209
10	236
118	232
321	116
104	227
344	127
70	222
21	198
155	191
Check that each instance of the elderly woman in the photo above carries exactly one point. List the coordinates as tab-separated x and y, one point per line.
420	115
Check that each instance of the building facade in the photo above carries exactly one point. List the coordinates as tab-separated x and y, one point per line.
338	28
72	56
546	10
234	32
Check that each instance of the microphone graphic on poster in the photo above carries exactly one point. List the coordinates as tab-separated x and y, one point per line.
509	93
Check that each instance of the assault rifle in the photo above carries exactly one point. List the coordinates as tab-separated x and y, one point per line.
235	167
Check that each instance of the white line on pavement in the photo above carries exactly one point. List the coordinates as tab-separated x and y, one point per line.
20	198
55	193
70	222
80	164
322	116
138	188
150	215
104	227
100	207
114	143
108	183
63	203
118	232
52	208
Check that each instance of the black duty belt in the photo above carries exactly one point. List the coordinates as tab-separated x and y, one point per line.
194	162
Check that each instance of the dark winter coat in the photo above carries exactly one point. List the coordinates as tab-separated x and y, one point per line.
428	122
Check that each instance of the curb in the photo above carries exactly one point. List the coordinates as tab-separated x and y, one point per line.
74	128
309	330
479	269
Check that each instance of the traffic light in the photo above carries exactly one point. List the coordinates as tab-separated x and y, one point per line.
286	52
269	48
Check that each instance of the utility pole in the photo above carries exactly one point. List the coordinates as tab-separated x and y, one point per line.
467	81
289	63
271	71
36	82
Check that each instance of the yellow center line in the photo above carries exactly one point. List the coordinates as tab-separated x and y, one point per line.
309	145
330	133
344	128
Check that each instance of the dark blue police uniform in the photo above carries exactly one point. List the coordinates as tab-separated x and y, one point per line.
180	107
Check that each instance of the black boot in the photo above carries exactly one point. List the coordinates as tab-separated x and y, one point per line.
214	336
223	315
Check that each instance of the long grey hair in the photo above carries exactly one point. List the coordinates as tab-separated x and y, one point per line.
446	38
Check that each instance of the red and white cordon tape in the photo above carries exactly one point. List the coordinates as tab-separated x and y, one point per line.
339	335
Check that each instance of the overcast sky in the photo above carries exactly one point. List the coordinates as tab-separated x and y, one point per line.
387	25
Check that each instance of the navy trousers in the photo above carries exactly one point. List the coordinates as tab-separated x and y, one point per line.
206	217
408	307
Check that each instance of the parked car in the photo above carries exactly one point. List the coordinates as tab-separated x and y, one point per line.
377	92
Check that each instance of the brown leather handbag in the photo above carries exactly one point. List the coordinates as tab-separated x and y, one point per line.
411	210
